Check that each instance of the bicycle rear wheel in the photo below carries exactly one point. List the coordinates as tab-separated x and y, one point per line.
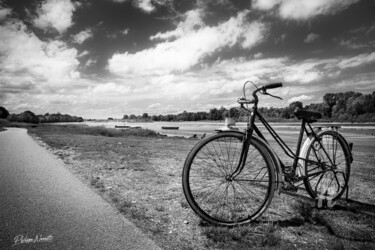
330	160
214	196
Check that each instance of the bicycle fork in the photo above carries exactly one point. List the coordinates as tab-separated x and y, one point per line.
243	156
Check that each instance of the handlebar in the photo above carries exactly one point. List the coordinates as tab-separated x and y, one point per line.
263	91
273	85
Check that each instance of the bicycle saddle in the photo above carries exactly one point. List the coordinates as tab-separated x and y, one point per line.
309	116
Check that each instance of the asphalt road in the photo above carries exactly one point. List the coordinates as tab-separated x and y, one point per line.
43	206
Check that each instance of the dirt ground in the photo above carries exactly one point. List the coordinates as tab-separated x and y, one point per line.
141	177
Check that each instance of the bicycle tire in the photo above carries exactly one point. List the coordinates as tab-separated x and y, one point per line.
218	200
331	184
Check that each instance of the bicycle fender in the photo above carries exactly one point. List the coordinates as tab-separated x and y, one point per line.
271	152
349	146
308	142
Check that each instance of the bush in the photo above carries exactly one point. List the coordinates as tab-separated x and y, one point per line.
3	113
101	131
112	132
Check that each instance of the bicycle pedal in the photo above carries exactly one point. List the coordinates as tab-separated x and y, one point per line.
287	186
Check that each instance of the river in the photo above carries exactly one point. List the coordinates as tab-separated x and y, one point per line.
188	129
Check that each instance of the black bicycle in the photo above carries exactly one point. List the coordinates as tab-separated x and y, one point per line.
230	177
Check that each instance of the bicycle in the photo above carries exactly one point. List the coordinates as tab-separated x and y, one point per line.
230	177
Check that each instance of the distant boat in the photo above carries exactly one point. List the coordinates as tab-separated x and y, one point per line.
122	126
175	128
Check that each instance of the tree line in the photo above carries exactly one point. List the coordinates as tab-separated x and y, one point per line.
30	117
339	107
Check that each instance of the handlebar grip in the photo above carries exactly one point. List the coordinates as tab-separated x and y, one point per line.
273	85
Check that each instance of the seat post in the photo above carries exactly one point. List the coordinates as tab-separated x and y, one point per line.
300	137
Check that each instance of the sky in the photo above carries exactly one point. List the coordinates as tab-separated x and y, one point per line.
107	58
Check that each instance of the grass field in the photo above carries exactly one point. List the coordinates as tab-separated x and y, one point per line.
141	176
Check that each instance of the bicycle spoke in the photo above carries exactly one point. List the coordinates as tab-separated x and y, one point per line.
213	165
332	154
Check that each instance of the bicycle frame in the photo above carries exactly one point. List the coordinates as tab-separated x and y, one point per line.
251	128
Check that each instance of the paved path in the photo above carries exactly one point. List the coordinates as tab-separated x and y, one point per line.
43	206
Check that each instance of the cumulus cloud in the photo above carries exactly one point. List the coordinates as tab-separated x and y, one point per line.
110	88
125	32
188	45
25	58
4	12
301	98
302	9
56	14
147	6
311	38
221	82
90	62
82	36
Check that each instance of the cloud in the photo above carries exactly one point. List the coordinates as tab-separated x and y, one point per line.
25	58
356	43
154	106
82	36
302	9
221	82
10	87
125	32
188	45
90	62
311	38
83	53
56	14
301	98
362	59
117	34
4	12
147	6
110	88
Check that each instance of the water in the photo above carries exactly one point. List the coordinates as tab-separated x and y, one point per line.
186	129
189	129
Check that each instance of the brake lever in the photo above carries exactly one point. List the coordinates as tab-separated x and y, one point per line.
265	93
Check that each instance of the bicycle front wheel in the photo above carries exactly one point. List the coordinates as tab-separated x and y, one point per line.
327	166
213	194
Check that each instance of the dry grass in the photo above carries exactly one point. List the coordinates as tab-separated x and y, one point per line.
141	177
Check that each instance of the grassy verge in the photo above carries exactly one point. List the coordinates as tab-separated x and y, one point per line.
99	130
141	177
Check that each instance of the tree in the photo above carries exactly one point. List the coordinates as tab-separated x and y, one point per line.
145	115
27	116
3	112
295	105
125	117
330	99
154	118
234	113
